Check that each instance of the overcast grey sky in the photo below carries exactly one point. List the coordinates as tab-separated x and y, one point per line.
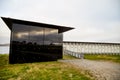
93	20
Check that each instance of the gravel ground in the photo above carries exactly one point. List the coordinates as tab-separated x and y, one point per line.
101	70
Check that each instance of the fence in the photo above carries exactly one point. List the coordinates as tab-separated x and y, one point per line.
75	54
92	48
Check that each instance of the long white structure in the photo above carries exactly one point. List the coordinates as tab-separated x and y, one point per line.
92	47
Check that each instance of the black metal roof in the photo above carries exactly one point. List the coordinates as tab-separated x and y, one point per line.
9	22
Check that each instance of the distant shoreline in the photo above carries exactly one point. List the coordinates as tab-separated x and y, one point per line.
4	45
4	49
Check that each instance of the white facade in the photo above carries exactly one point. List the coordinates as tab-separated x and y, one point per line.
92	48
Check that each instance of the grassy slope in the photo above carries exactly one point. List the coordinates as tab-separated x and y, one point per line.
38	71
68	57
113	58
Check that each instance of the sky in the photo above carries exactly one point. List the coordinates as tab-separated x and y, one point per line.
93	20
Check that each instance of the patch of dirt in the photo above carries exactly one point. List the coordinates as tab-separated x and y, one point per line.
101	70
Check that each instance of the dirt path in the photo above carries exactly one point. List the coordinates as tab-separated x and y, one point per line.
101	70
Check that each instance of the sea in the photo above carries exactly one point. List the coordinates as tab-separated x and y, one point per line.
4	49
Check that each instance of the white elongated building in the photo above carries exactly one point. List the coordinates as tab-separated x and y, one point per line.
92	47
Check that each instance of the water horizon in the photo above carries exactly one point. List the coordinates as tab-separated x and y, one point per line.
4	49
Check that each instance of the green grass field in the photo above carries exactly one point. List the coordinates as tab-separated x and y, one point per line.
39	71
113	58
66	56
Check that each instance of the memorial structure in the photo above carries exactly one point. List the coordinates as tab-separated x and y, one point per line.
92	47
34	42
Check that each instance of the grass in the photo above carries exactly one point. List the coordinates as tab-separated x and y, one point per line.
38	71
113	58
3	59
66	56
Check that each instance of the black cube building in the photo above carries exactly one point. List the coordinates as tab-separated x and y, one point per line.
34	42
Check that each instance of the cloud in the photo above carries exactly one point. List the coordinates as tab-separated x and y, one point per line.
94	20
